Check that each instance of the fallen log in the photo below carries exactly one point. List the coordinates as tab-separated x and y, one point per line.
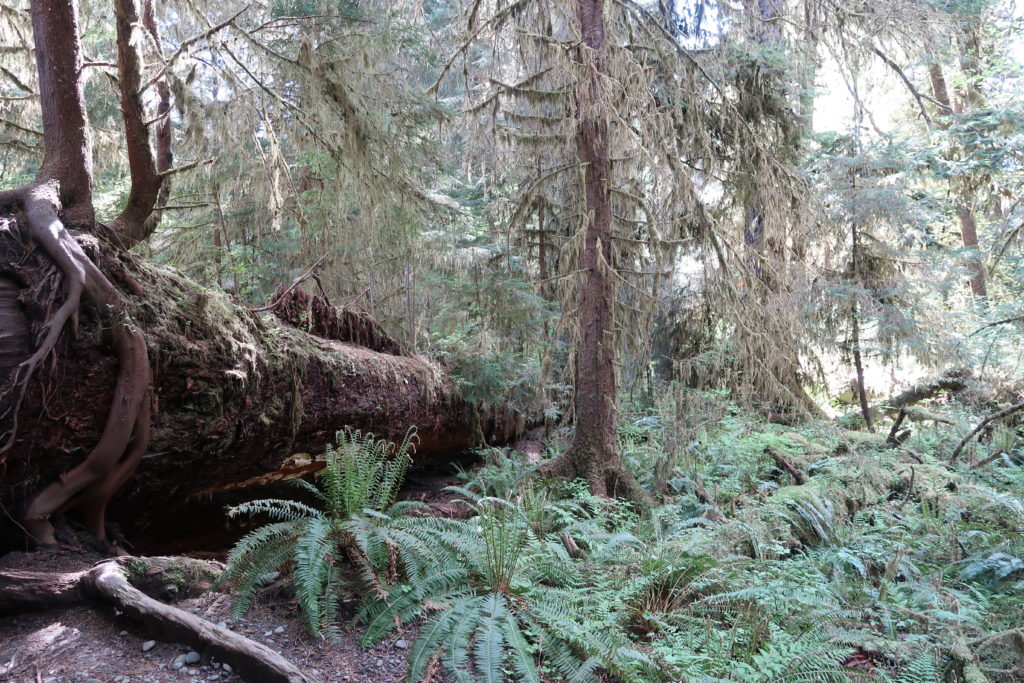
108	583
952	381
236	396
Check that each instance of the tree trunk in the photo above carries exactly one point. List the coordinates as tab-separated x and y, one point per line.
964	210
774	375
238	398
969	235
593	454
67	156
858	362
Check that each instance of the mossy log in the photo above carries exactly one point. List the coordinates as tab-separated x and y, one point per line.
235	394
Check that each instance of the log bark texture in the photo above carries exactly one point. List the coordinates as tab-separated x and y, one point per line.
235	395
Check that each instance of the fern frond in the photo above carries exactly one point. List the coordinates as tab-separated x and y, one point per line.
277	509
489	639
520	651
314	559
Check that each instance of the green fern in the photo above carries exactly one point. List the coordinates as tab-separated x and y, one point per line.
922	669
487	611
357	538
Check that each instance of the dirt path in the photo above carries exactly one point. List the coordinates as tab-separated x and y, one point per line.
89	644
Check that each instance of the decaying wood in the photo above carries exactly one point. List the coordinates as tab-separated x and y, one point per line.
952	381
785	464
236	397
891	440
108	583
981	425
569	543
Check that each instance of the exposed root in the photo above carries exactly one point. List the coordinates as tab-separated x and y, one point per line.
108	583
97	477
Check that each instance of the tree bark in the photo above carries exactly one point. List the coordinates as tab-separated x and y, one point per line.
133	224
67	156
235	396
964	210
593	453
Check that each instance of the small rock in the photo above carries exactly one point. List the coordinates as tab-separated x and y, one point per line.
268	634
222	624
178	662
148	645
213	677
192	657
226	667
123	633
279	630
402	644
92	680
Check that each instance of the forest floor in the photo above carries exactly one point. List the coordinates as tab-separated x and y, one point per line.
90	644
86	644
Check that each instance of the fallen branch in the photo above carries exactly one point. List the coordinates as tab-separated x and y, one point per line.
954	380
295	283
107	582
891	439
992	458
981	425
1014	635
570	545
781	461
702	495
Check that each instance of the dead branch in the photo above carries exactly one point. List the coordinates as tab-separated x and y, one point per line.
891	439
295	283
781	461
953	380
981	425
906	81
570	545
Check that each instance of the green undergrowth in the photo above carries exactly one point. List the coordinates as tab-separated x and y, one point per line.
886	564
